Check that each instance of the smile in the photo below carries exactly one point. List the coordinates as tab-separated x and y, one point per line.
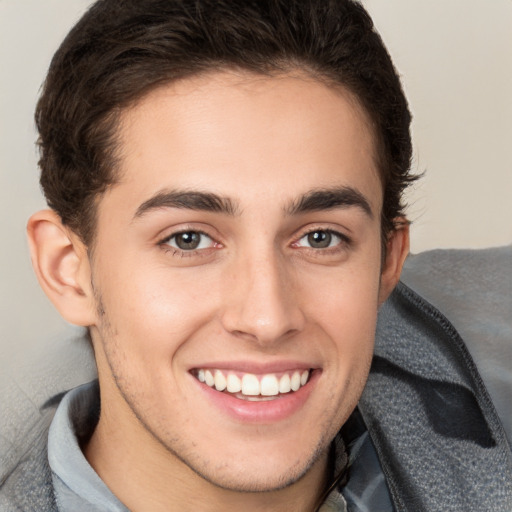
251	387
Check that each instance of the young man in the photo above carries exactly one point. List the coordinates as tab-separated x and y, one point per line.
225	183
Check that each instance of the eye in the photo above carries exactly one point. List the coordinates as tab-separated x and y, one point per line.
189	241
321	239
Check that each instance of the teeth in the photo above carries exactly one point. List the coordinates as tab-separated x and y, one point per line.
220	381
251	386
269	385
295	381
257	398
208	378
284	384
234	383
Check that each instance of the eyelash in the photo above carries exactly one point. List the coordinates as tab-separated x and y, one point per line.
343	243
344	240
176	251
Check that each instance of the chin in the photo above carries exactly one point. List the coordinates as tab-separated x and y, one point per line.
261	471
256	480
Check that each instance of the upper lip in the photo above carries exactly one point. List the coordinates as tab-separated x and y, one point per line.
255	367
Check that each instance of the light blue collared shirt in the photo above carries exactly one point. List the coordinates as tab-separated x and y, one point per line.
78	488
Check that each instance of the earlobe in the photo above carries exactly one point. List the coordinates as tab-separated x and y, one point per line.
61	263
397	247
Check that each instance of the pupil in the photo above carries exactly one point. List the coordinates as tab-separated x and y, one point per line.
189	240
319	239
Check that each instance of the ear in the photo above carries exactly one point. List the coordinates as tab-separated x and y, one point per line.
61	263
397	249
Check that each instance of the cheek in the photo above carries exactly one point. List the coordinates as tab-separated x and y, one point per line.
153	311
345	300
346	311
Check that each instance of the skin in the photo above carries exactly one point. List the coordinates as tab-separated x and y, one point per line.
255	292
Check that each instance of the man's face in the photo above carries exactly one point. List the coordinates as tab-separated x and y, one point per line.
241	248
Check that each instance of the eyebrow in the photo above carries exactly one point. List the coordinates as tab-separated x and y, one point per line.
329	199
314	200
190	200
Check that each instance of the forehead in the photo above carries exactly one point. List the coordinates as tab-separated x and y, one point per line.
246	136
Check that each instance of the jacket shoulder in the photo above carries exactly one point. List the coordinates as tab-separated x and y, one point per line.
473	290
426	406
27	482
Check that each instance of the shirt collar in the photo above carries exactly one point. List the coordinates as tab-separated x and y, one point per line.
77	486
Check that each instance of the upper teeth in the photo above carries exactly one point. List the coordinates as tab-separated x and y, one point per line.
253	385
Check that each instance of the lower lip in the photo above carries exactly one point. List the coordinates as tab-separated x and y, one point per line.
267	411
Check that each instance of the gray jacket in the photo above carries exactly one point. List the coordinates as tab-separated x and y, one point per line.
441	444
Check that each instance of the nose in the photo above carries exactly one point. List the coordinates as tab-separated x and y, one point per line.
261	303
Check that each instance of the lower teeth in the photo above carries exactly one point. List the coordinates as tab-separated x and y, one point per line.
257	398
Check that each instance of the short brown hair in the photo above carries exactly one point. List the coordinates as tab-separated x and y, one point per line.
122	49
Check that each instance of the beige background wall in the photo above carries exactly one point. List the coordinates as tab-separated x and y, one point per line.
456	60
455	57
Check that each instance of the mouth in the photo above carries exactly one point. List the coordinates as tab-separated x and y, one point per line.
252	387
